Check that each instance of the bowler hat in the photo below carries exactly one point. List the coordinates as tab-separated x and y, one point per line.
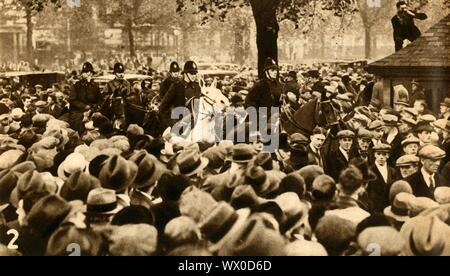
423	126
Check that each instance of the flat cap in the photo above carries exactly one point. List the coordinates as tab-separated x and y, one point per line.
427	118
381	147
375	125
407	160
410	140
345	134
390	120
364	133
431	152
411	111
409	121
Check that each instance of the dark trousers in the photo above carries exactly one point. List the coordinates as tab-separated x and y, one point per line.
399	41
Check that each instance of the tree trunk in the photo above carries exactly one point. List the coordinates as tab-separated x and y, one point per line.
30	52
367	42
264	13
129	31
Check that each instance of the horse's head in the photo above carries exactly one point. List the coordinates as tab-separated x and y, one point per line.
214	94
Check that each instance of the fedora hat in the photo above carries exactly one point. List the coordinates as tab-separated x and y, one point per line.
8	181
254	239
426	236
244	196
96	164
102	201
242	216
191	162
216	224
149	169
74	162
242	153
29	183
117	173
170	186
78	186
399	210
47	214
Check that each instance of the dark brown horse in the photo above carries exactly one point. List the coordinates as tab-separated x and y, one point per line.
317	112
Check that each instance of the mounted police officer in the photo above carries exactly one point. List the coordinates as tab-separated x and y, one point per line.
266	92
174	76
85	96
180	92
117	92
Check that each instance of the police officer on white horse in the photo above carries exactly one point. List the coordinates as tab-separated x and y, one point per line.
180	92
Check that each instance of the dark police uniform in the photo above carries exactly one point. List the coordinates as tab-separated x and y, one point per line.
167	83
266	92
83	93
179	93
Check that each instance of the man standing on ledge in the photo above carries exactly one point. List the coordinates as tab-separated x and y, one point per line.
403	24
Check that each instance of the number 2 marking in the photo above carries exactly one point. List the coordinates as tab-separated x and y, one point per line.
374	249
74	249
15	234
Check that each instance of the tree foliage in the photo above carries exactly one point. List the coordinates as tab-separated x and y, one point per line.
295	11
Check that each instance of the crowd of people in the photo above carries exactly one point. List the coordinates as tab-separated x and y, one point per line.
380	176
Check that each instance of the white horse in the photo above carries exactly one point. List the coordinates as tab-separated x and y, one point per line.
204	111
208	106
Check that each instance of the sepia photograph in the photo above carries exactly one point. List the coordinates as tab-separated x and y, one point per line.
218	128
